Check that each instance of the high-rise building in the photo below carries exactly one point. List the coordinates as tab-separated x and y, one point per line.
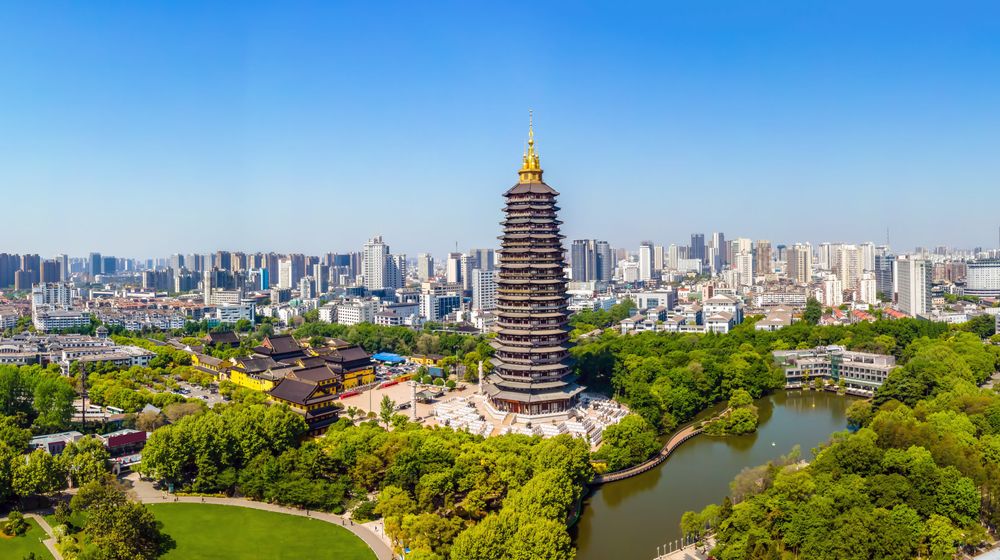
743	265
762	257
914	281
983	278
721	247
376	253
223	260
532	371
467	263
321	277
657	260
483	258
673	256
395	271
583	260
867	288
50	271
885	276
646	261
868	251
697	247
425	267
285	273
847	263
605	261
453	268
109	265
484	290
63	261
95	264
9	264
32	264
799	267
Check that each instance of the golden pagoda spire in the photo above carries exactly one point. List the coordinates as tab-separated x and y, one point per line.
531	169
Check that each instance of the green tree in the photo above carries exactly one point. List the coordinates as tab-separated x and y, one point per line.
85	460
387	408
859	414
813	311
38	473
629	442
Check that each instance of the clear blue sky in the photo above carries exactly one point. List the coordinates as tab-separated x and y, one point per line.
143	128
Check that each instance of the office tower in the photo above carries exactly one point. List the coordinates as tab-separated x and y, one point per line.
583	260
885	276
265	279
484	290
762	257
722	249
781	252
109	266
453	268
532	367
697	247
605	261
285	273
425	267
646	261
95	265
713	259
914	279
799	268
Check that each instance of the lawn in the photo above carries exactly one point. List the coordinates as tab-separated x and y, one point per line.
214	532
17	548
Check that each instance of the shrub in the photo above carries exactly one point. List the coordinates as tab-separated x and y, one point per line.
15	525
365	511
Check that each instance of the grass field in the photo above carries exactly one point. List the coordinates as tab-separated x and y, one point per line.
214	532
17	548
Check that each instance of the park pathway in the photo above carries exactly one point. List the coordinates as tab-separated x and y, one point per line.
146	494
50	543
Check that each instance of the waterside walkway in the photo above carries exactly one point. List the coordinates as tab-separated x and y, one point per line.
673	443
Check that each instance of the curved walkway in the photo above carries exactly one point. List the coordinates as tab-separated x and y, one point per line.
673	443
50	542
146	494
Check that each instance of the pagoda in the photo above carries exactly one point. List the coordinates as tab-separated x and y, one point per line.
532	368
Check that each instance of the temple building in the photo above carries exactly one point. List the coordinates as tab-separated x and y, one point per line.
532	373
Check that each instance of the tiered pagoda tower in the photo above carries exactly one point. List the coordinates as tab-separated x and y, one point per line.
532	367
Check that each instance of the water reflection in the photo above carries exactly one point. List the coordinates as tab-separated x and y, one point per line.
630	518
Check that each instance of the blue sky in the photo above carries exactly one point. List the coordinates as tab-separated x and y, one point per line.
142	128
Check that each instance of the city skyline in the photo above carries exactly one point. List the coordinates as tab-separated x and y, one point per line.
795	126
